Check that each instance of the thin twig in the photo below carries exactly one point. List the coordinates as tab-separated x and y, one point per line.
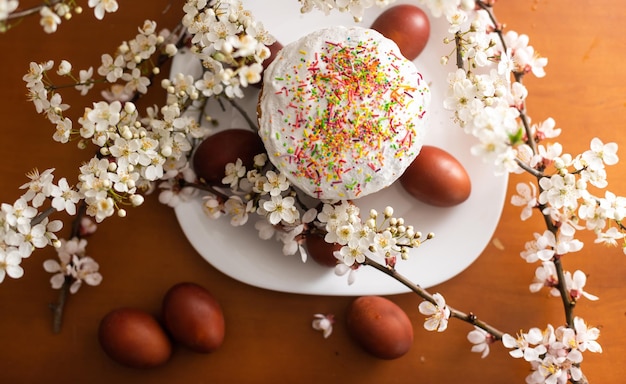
39	218
468	318
243	113
58	307
30	11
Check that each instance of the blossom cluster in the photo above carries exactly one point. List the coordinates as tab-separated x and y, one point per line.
73	264
133	150
265	191
488	101
369	240
262	191
355	7
21	232
53	12
555	354
230	44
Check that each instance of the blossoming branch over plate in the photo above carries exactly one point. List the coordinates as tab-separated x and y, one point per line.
461	232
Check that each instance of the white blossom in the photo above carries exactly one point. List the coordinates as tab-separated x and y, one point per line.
102	6
64	198
525	198
6	7
237	209
438	313
480	340
323	323
525	345
85	81
49	19
280	209
10	264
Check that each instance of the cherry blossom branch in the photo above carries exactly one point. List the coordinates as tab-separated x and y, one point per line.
59	307
204	187
43	215
468	318
568	304
31	10
243	113
528	169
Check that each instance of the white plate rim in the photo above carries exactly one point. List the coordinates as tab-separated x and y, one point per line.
461	232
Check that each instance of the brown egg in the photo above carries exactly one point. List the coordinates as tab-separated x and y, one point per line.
134	338
407	25
321	251
217	150
380	327
193	317
437	178
274	49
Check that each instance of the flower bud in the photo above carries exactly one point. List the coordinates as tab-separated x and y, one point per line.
136	200
166	151
171	49
123	48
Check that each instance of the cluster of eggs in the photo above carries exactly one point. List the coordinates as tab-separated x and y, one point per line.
190	316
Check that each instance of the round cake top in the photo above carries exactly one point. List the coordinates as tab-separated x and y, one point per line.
342	112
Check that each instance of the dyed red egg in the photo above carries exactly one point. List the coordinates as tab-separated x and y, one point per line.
212	155
380	327
407	25
437	178
274	49
134	338
193	317
321	251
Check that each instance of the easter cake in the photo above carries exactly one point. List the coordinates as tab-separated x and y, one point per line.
342	113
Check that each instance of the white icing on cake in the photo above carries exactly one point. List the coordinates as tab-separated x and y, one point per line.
342	112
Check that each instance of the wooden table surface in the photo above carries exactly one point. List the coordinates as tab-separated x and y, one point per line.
268	336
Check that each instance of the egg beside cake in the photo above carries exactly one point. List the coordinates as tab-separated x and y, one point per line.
342	112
